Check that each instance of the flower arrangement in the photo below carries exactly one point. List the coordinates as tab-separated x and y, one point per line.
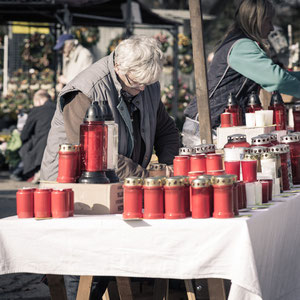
87	36
186	64
114	43
184	44
163	39
184	96
37	51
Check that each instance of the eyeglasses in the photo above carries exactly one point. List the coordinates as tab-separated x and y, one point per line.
133	84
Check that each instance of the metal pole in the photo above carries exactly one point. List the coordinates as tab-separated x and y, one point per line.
5	66
200	71
128	19
175	73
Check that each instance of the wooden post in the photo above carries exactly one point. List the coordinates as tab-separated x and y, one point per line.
216	289
57	288
124	288
161	289
84	288
200	71
189	289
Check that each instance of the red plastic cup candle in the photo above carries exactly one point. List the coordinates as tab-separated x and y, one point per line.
235	195
67	163
59	204
233	168
186	199
153	198
24	198
270	187
174	190
223	196
208	178
181	165
226	120
70	197
265	191
42	203
213	162
244	195
201	199
193	175
249	168
133	198
198	162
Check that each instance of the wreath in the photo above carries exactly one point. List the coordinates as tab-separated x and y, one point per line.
87	36
37	51
163	39
186	63
114	43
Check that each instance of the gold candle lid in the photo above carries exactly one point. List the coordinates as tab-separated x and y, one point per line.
184	179
153	181
157	166
174	181
67	148
200	183
222	180
133	181
249	156
162	178
268	155
207	177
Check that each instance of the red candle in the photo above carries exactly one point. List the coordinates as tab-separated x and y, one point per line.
133	198
181	165
153	198
67	163
198	162
223	196
70	197
174	198
249	168
200	199
213	162
215	172
42	203
265	191
244	195
59	204
25	203
193	175
233	168
270	186
226	120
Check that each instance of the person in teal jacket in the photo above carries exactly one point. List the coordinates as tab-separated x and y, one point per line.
241	63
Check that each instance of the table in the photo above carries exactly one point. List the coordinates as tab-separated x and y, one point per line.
259	254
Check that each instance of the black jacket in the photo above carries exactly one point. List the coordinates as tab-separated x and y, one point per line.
34	135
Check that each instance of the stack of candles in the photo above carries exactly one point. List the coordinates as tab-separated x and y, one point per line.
45	203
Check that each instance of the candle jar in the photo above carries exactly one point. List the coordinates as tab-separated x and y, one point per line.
279	111
235	195
226	120
209	178
283	150
193	175
67	163
249	168
200	199
133	198
270	187
157	169
186	193
237	141
198	162
181	165
269	165
257	152
42	203
234	109
261	140
78	164
214	162
294	142
254	103
223	198
243	202
185	151
153	198
233	168
174	198
70	198
25	202
296	114
204	148
59	204
265	191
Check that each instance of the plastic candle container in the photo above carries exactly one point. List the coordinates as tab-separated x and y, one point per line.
198	162
59	204
200	199
181	165
249	168
213	162
25	202
42	203
67	163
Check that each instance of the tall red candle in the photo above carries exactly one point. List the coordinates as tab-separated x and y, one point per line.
67	163
25	202
181	165
213	162
249	168
42	203
200	199
59	204
198	162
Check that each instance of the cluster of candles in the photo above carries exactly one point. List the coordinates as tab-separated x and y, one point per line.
178	197
45	203
255	115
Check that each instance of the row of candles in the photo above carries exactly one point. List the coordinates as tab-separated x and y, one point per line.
45	203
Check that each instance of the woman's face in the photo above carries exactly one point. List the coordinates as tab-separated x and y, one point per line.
267	27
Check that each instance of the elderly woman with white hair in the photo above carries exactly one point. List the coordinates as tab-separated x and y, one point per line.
128	80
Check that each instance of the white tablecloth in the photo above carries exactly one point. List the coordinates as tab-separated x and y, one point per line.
260	254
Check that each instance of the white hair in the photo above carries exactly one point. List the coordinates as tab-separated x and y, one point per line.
140	56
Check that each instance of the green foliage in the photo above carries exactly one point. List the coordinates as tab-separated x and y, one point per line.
87	36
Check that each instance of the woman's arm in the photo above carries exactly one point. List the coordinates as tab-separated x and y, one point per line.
247	58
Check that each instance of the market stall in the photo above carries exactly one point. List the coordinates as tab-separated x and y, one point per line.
258	251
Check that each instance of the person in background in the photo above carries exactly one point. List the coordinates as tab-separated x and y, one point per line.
76	58
34	137
241	63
